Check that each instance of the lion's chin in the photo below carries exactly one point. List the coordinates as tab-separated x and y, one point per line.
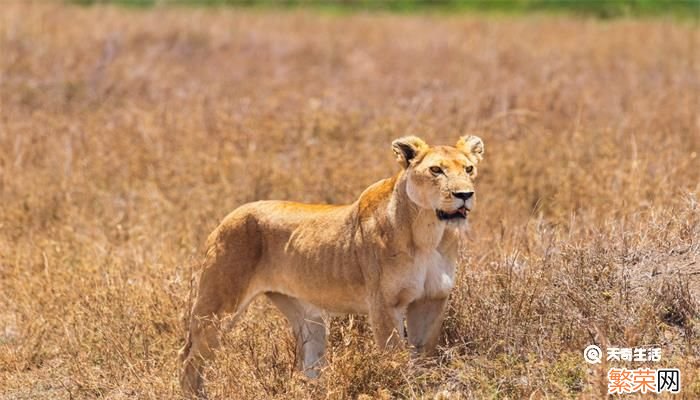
458	214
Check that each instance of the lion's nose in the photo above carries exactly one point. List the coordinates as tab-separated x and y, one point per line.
463	195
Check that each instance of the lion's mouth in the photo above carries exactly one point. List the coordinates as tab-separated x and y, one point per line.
460	213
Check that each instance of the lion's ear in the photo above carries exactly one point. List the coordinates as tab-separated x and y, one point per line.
472	146
408	148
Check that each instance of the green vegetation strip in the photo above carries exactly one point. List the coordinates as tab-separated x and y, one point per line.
598	8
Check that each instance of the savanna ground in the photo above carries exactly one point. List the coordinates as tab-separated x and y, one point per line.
127	134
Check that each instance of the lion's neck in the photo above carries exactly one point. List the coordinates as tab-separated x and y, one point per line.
418	226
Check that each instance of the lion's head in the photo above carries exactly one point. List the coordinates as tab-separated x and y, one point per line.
441	178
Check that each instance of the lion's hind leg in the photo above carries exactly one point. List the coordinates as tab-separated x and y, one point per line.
202	340
226	288
203	337
309	332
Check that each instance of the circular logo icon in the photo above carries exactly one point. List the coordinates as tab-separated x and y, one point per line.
592	354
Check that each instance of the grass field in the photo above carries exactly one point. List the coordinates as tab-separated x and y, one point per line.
127	134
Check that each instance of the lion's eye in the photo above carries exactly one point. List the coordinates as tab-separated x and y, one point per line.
470	169
436	170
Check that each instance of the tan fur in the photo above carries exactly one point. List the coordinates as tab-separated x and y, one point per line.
387	255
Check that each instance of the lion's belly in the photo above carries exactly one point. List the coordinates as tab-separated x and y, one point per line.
308	255
319	268
321	286
336	287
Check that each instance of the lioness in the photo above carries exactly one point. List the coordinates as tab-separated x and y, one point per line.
390	254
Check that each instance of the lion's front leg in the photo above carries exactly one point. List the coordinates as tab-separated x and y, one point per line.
387	324
424	319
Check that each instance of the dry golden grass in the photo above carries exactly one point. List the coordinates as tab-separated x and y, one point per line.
126	135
